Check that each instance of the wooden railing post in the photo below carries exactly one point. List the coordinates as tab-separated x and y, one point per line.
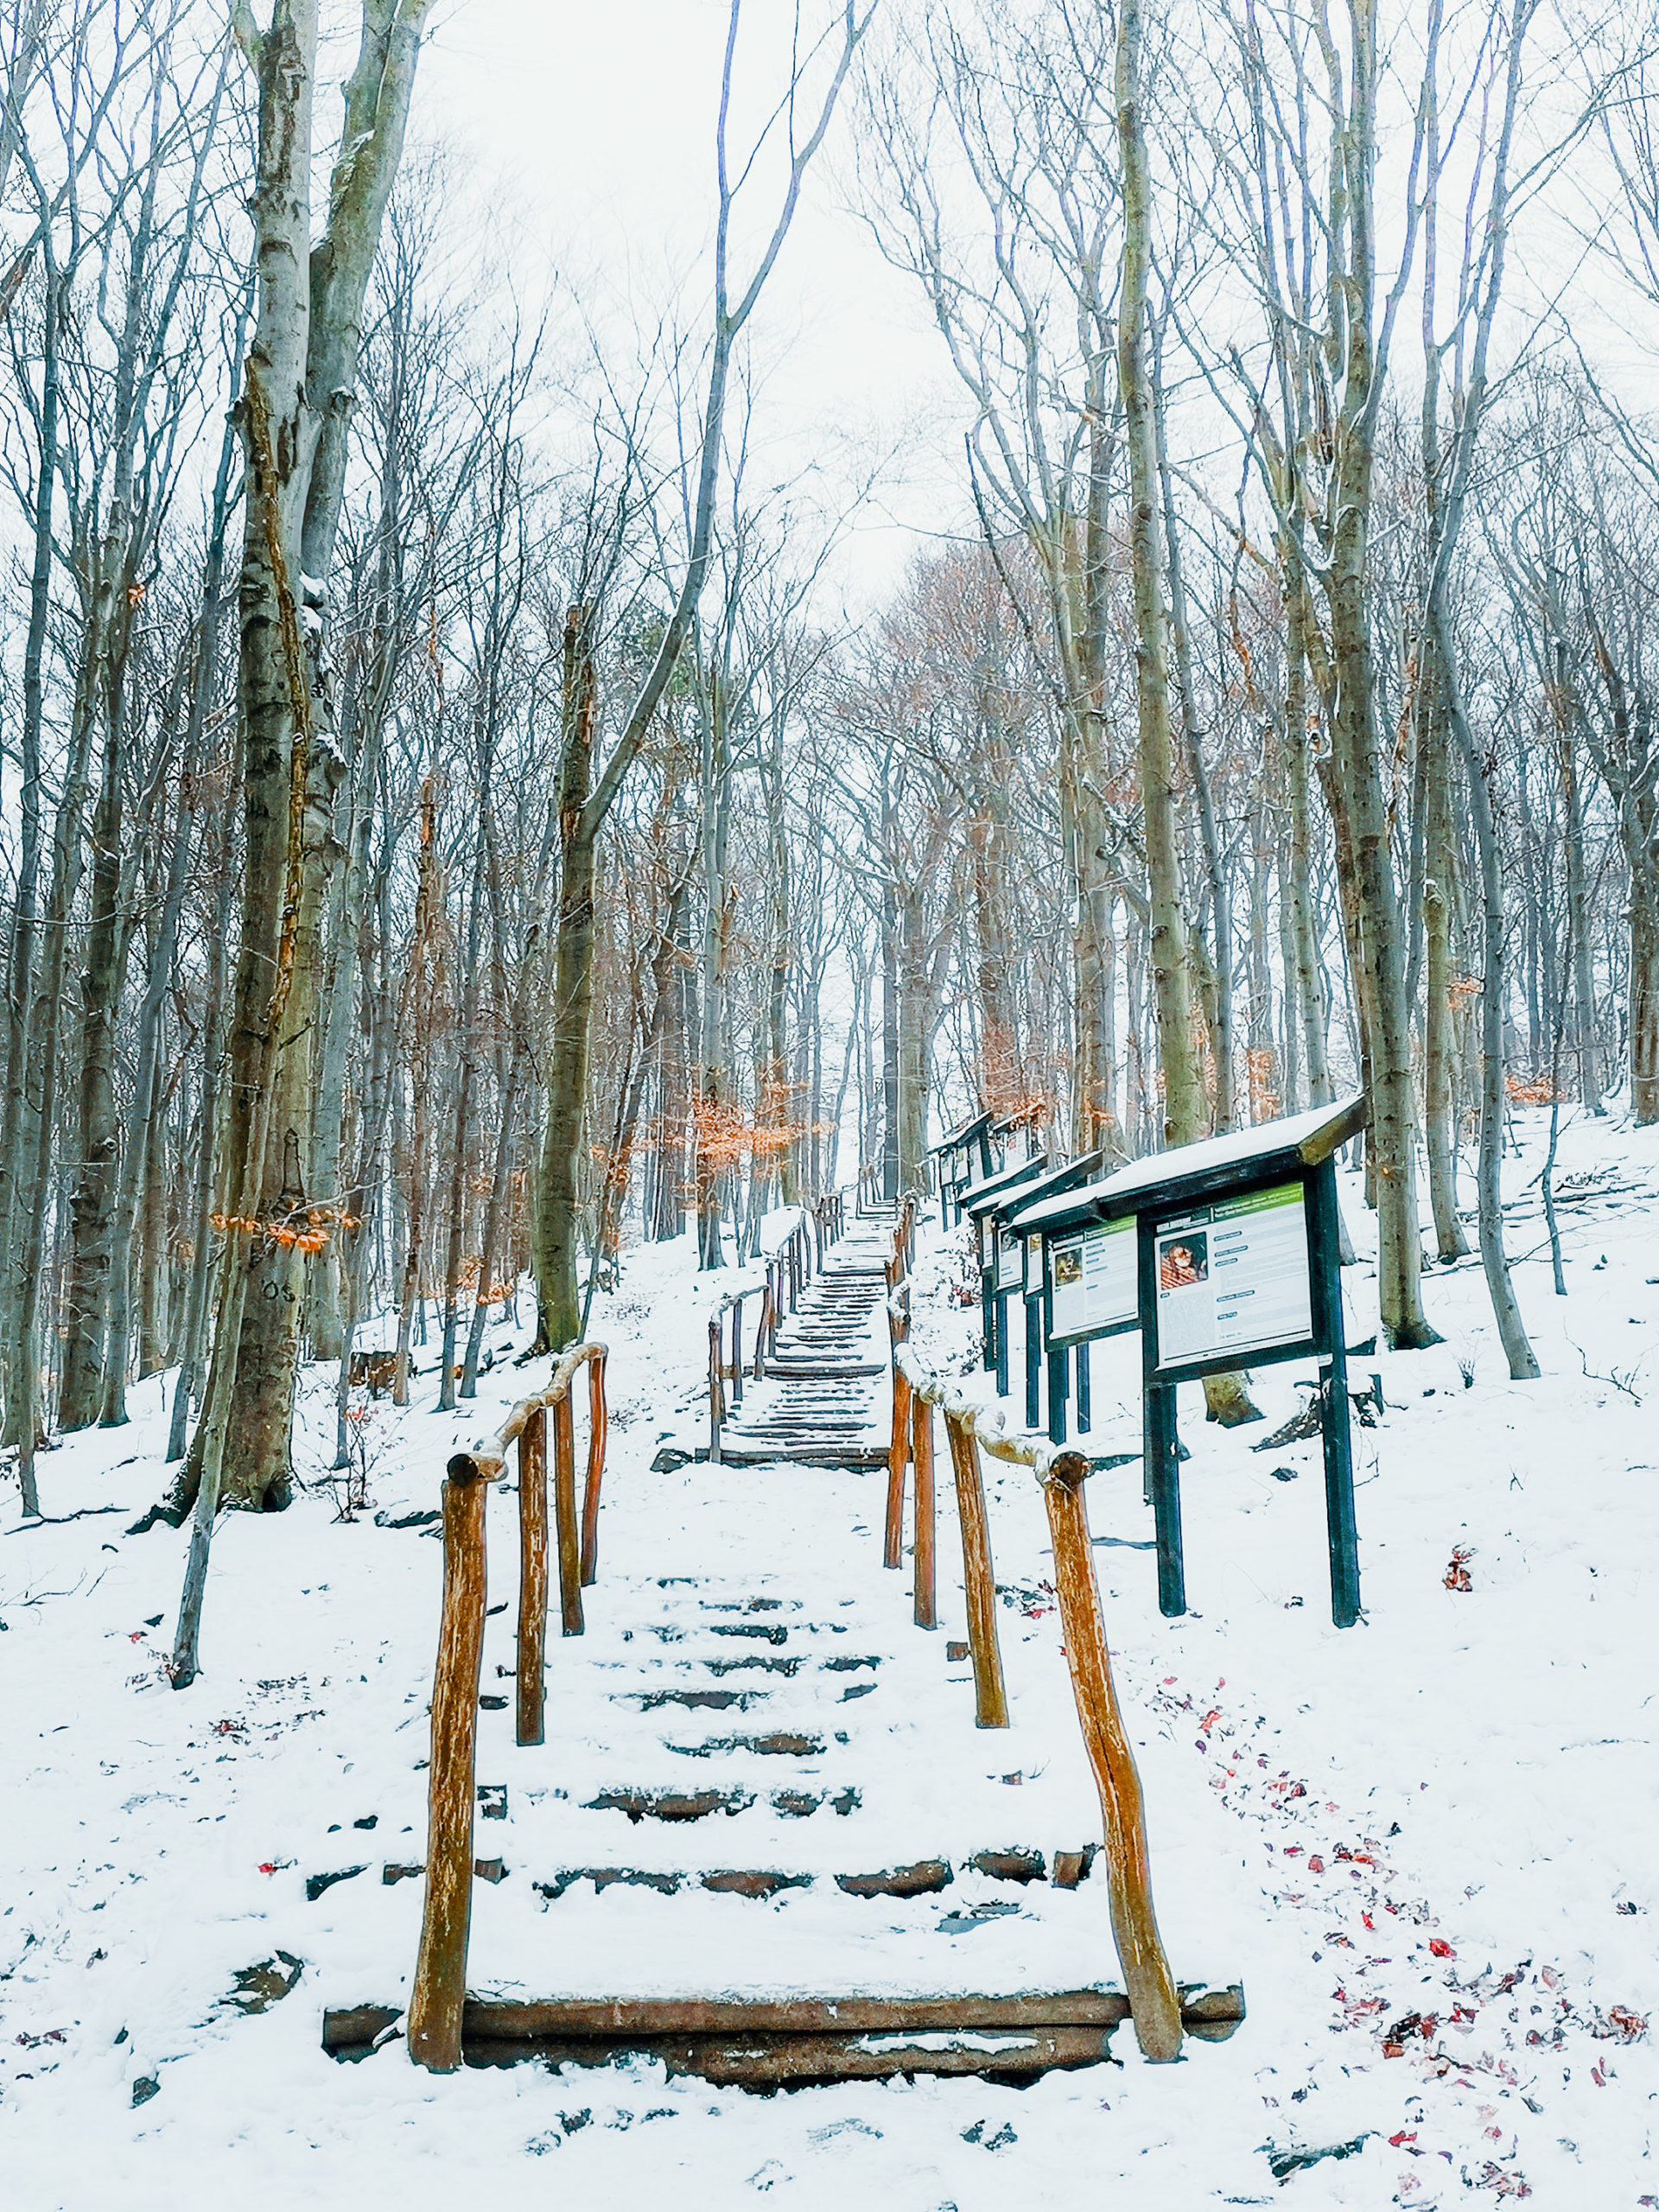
598	1425
717	1395
737	1353
978	1577
440	1990
898	1453
921	1454
532	1576
1147	1983
898	1448
564	1514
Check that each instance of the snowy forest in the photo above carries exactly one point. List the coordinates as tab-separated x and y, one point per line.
1276	715
472	815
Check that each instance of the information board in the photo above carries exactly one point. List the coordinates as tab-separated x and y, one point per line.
1034	1264
1093	1281
1010	1260
1233	1277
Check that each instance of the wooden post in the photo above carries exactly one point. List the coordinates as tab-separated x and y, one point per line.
921	1454
1001	1326
1147	1983
532	1575
564	1515
598	1423
440	1990
716	1397
978	1578
1085	1404
737	1354
1033	1362
898	1452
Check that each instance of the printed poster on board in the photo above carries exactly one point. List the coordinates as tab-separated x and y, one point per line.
1233	1277
1010	1260
1094	1277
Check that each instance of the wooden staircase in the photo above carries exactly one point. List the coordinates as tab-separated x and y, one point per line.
821	1400
740	1798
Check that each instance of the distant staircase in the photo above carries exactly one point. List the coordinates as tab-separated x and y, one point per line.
822	1400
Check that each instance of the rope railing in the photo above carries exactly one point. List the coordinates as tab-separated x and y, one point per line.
1155	2002
439	1994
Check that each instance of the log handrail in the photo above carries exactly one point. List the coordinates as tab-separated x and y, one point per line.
440	1987
1155	2003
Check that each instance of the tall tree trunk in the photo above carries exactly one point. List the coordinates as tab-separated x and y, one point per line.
1225	1396
299	387
1439	864
556	1228
1183	1101
92	1202
1511	1329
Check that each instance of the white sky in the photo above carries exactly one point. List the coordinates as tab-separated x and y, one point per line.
587	132
592	130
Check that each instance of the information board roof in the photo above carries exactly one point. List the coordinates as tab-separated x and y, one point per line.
1189	1170
981	1196
1063	1208
1308	1138
1053	1181
962	1135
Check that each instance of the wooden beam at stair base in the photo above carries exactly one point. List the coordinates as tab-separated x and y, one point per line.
769	2062
596	2028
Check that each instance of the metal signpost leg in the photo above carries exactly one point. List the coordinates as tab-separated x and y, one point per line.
1164	1479
1082	1389
1033	1362
1001	1345
1341	1533
1160	1446
987	1320
1056	1394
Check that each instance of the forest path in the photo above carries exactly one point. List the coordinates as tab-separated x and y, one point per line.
822	1399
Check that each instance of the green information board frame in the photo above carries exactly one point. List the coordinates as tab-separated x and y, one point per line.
1240	1239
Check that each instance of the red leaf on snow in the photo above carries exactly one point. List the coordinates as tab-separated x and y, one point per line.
1440	1948
269	1866
1315	1864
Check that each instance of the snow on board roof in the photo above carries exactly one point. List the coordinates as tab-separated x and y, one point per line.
962	1135
1064	1176
1313	1136
978	1196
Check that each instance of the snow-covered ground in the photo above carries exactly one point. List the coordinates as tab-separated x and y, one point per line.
1425	1844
